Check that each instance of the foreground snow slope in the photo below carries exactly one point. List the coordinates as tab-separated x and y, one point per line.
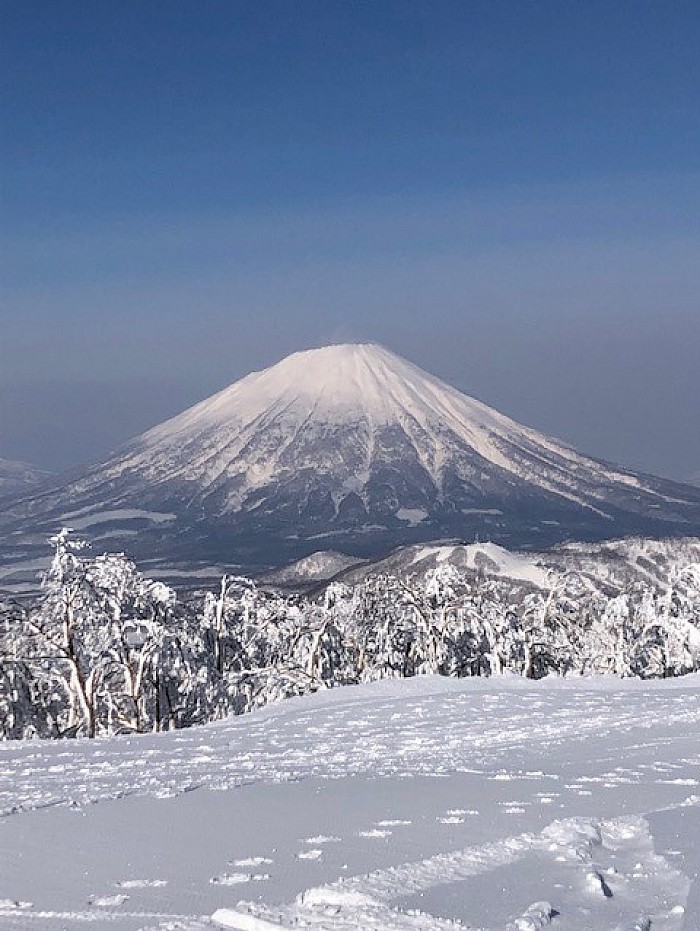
423	803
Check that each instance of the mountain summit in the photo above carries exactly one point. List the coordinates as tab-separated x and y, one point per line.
353	447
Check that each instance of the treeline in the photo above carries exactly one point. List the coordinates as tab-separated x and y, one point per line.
105	650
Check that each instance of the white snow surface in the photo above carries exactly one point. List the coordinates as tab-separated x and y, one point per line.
244	435
491	559
363	383
355	379
495	804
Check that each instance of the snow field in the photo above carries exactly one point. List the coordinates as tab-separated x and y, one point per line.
426	803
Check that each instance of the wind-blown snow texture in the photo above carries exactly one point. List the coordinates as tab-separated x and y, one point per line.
498	804
354	448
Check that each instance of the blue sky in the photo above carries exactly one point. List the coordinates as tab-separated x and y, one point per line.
505	192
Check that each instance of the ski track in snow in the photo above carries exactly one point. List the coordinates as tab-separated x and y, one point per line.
498	804
638	876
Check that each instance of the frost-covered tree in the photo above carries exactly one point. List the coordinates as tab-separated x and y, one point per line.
92	636
27	706
266	647
105	650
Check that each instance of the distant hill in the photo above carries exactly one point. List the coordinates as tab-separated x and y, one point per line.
607	568
19	476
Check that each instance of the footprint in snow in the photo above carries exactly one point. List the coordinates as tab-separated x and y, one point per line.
455	815
375	833
314	853
142	883
595	882
235	879
535	917
320	839
251	861
108	901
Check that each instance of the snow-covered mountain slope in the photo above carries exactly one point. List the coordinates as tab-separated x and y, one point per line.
17	477
427	804
354	447
478	559
317	567
583	568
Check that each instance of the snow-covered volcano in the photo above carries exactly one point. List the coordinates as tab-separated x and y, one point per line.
354	447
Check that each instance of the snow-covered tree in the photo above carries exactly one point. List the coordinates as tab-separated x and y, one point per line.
105	650
93	635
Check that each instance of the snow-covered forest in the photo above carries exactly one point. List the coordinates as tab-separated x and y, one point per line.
106	650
